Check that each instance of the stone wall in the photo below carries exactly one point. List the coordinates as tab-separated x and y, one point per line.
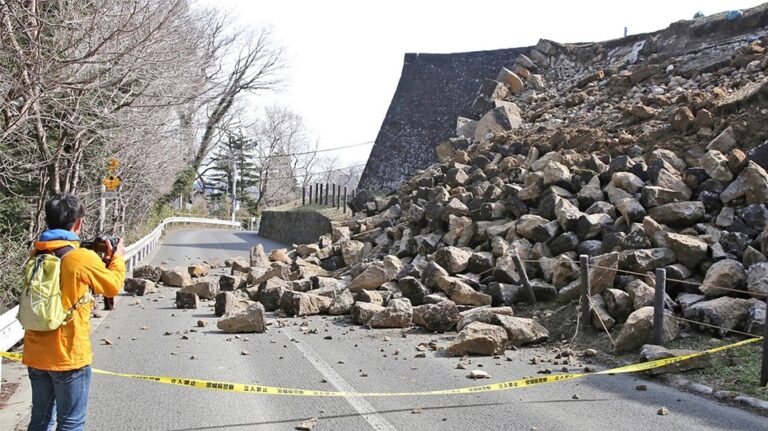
434	90
293	227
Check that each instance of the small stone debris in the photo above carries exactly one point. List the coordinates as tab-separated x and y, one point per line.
245	353
641	387
479	374
307	425
589	369
168	333
107	341
575	397
193	357
201	324
663	411
185	337
328	337
590	353
416	411
461	366
96	315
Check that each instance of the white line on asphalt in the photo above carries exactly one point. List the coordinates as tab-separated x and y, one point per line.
363	407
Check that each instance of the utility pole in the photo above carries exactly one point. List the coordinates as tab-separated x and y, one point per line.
234	188
102	210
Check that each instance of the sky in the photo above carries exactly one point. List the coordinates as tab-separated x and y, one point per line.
345	57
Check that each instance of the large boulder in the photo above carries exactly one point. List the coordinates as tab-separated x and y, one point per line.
638	330
227	302
646	260
249	320
413	289
726	273
186	300
397	314
440	317
270	293
176	277
482	314
452	259
352	252
203	289
521	331
148	272
724	312
231	282
690	250
618	303
603	272
678	214
461	293
258	257
139	286
199	270
757	278
304	304
362	312
479	338
505	117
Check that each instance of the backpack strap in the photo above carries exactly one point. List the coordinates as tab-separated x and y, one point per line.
60	252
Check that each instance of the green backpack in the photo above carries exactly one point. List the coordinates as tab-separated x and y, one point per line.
40	306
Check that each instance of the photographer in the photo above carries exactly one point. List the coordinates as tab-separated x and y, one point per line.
59	360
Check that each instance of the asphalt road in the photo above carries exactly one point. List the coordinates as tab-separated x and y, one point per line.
354	359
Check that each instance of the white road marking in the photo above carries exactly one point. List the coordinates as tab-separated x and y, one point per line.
361	405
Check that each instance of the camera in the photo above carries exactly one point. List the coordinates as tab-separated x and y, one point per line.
99	245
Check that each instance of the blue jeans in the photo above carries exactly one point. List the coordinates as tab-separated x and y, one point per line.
59	397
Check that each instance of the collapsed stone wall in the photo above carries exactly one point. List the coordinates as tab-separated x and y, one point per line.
294	227
434	90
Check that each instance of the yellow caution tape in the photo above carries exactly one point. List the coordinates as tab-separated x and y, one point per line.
493	387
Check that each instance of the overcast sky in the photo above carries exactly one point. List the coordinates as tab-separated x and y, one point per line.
345	57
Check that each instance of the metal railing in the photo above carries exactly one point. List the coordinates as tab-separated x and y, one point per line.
11	331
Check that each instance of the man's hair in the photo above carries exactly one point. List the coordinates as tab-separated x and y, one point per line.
62	211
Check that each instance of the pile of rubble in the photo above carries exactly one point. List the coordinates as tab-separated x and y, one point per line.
560	156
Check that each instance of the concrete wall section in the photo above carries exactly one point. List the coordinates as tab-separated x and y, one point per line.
434	90
293	227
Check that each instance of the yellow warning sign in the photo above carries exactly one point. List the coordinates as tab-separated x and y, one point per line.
111	182
112	165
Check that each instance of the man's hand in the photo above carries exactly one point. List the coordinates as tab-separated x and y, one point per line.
119	251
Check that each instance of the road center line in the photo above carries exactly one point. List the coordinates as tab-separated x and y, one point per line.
361	405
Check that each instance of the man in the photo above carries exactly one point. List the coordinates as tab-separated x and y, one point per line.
59	360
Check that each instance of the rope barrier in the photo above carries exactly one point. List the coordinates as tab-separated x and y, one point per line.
711	326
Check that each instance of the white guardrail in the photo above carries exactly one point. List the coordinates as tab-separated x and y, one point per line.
11	331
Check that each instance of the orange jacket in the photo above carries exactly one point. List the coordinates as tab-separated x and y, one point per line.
69	347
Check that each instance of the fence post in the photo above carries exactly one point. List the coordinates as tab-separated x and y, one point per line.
585	288
658	306
764	367
345	200
524	278
304	196
338	196
327	186
317	191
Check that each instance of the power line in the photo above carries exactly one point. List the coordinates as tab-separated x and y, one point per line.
324	150
316	173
